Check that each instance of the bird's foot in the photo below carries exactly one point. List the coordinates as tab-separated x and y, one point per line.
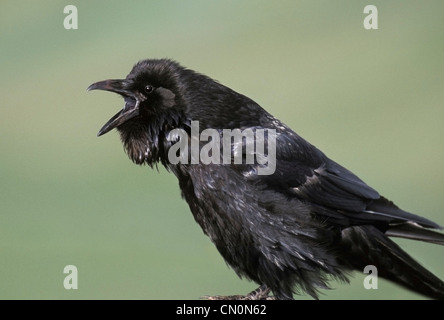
261	293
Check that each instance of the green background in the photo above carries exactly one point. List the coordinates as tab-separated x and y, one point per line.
370	99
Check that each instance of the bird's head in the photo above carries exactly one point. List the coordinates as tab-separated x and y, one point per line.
152	104
149	89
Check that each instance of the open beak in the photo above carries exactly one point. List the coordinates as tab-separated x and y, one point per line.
131	108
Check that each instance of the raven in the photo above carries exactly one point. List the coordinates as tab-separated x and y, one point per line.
291	230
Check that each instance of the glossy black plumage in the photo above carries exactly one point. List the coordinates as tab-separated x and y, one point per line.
309	221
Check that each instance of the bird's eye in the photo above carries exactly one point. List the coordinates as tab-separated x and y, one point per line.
149	88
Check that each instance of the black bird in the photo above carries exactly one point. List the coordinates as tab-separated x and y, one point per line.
289	230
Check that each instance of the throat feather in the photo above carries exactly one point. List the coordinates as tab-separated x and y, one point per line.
145	143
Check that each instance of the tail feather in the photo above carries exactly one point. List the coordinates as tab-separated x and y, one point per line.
414	231
369	246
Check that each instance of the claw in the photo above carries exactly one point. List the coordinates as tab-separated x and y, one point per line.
261	293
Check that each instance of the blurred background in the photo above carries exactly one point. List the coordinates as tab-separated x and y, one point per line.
370	99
